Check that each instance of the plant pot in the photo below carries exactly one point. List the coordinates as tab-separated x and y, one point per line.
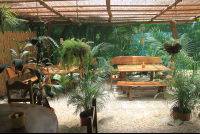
83	119
183	117
17	122
172	48
53	109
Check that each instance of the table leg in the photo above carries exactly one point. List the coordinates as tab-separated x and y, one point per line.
130	93
124	79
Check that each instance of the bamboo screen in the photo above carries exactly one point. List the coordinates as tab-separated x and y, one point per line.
7	42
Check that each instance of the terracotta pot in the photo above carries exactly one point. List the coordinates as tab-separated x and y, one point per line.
53	110
83	119
183	117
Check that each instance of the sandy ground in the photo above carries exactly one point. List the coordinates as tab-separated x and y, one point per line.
141	115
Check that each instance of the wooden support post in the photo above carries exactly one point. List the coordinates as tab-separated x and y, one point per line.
174	30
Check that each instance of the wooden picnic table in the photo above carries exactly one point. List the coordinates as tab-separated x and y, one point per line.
138	68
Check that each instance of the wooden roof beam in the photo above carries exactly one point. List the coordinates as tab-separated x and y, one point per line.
166	9
53	10
195	18
19	1
107	23
109	10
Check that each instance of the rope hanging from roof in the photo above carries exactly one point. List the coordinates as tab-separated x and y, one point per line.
174	13
37	11
142	39
77	13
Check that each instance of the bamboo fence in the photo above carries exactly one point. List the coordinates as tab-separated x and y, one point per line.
7	42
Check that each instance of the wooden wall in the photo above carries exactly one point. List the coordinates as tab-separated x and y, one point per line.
7	42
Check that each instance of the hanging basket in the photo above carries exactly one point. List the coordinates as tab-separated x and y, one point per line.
173	48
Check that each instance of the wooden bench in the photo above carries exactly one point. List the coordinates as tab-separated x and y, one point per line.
130	60
11	74
144	84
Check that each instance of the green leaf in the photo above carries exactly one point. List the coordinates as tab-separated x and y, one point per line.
18	64
16	44
25	93
59	88
36	72
48	90
27	45
24	69
13	52
30	58
25	53
2	67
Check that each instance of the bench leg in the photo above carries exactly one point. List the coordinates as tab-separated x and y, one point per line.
124	79
111	84
151	78
130	93
164	92
160	89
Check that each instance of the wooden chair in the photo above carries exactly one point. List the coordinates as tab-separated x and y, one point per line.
19	85
92	119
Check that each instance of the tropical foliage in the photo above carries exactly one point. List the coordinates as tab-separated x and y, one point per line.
74	52
6	17
46	44
90	86
183	89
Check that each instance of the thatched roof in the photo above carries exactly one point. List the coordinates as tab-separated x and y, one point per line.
106	11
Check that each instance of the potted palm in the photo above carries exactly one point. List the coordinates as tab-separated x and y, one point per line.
183	92
90	86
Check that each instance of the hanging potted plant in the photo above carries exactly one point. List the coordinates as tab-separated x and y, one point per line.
74	52
90	86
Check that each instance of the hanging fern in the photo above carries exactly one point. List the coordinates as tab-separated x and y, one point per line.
74	52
